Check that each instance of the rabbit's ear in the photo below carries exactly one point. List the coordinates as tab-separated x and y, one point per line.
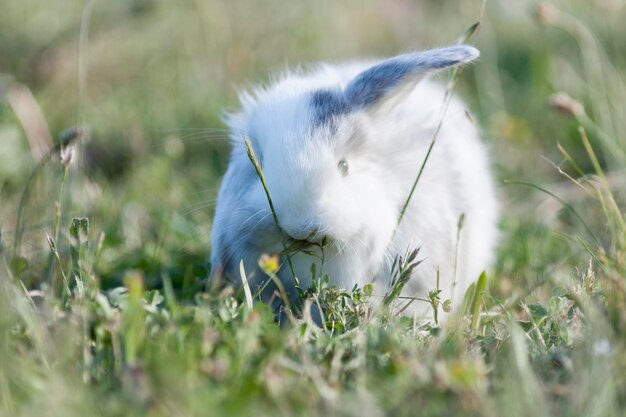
397	76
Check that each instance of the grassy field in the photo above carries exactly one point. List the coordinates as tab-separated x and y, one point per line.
105	308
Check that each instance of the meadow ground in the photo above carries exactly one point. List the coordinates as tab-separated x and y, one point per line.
104	304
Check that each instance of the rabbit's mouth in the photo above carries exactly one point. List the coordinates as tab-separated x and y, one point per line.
293	246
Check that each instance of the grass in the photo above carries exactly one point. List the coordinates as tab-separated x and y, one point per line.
105	308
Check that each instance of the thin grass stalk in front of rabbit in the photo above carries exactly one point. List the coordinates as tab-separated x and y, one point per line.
259	173
447	98
459	227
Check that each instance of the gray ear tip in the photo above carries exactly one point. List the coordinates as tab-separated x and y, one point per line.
469	53
380	80
450	56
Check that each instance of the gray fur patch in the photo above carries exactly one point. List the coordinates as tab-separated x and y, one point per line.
372	84
328	104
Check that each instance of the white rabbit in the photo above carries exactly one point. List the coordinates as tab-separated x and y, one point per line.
340	148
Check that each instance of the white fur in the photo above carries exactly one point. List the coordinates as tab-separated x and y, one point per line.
384	146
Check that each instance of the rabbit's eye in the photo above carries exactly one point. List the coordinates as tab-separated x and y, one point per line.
342	166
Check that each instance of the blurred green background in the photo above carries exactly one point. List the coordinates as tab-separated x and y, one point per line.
156	75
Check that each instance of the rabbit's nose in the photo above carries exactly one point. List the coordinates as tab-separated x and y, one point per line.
305	231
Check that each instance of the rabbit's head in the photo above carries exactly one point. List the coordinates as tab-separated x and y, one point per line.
331	157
